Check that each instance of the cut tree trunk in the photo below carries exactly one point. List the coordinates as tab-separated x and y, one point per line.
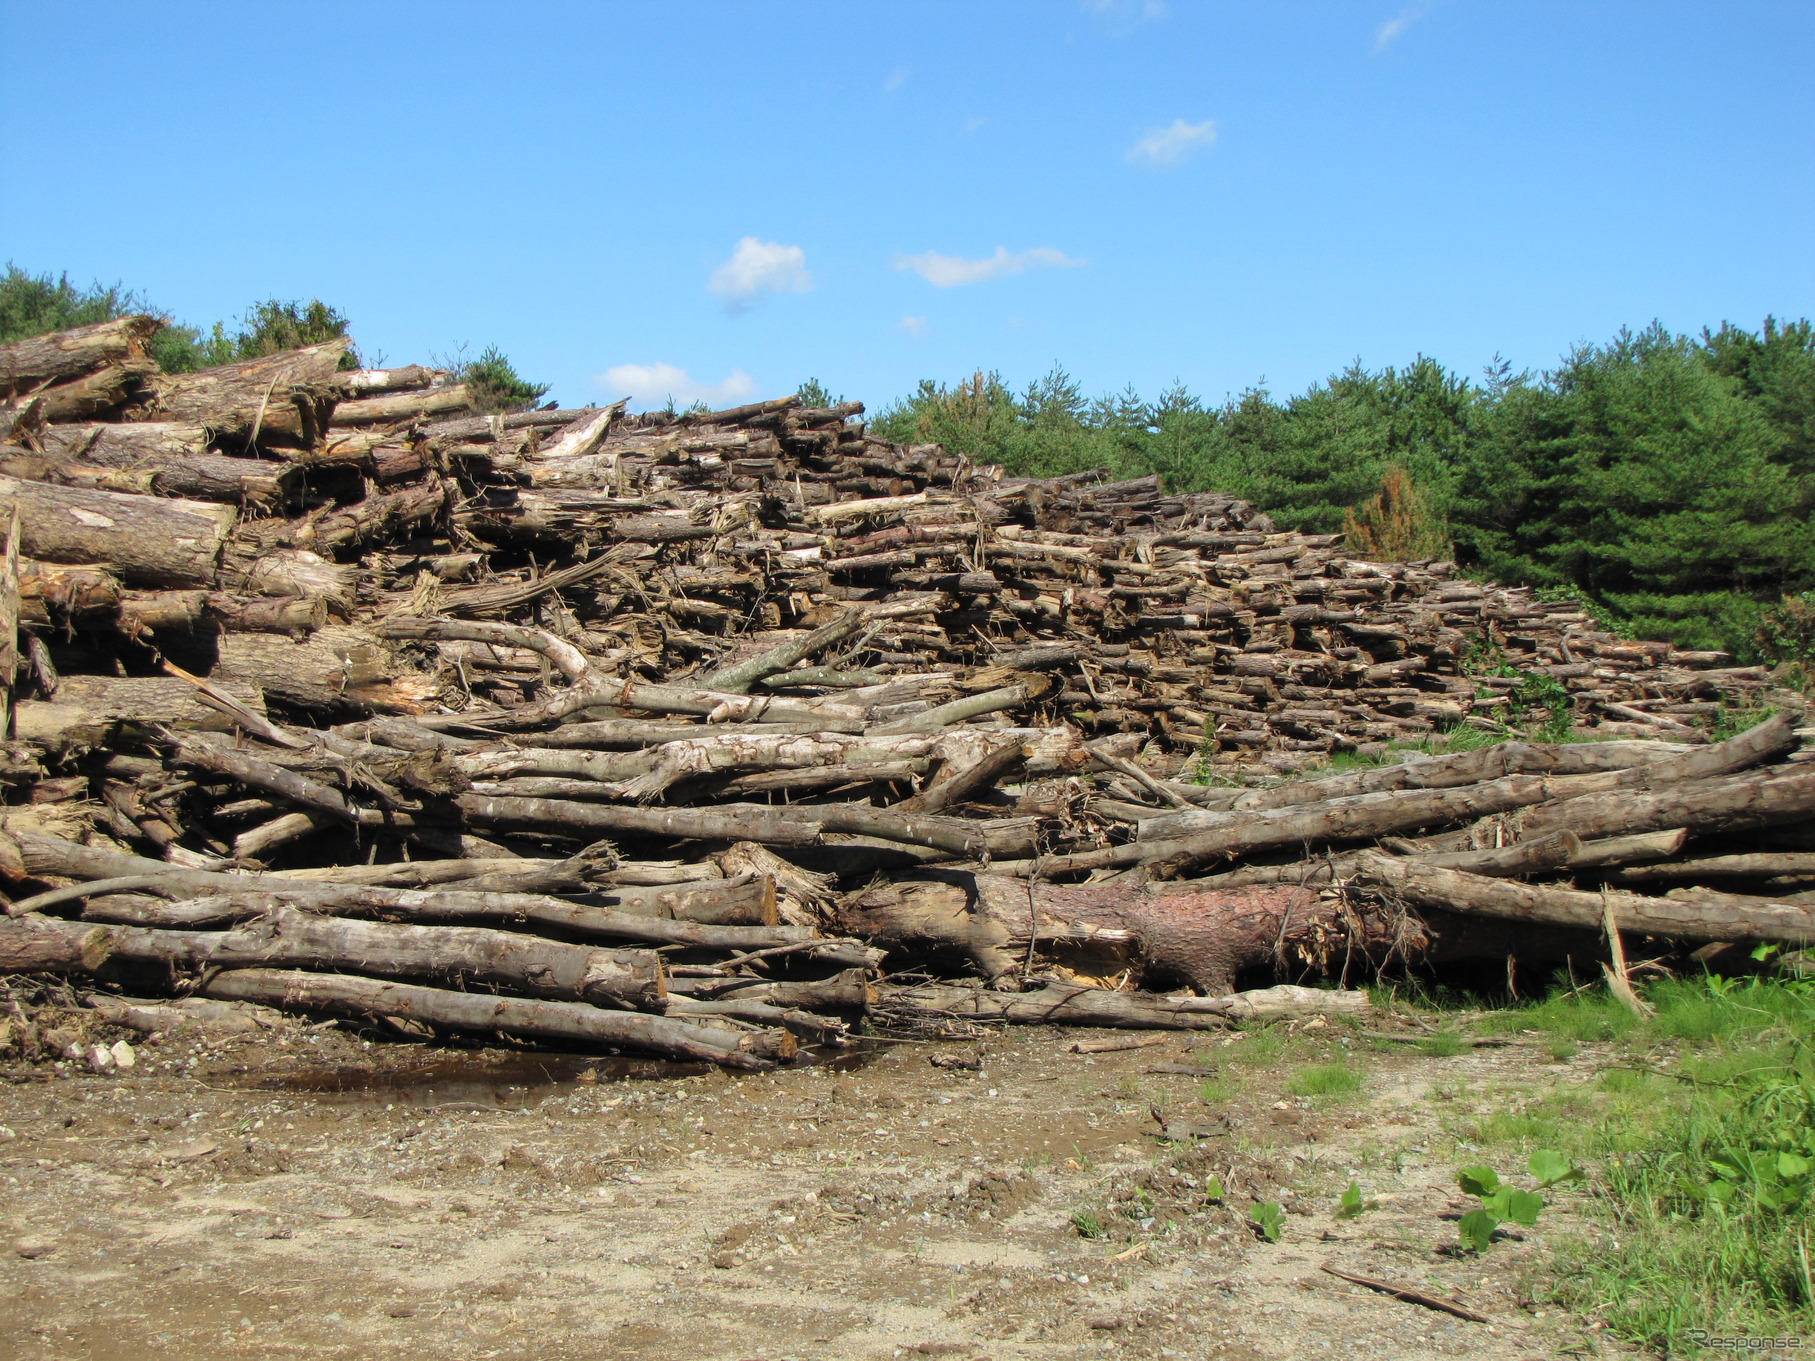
283	397
335	670
371	382
175	457
568	1022
62	355
64	593
405	406
274	935
144	540
1054	1004
1706	916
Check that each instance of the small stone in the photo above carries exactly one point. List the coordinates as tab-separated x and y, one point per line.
100	1058
123	1056
33	1248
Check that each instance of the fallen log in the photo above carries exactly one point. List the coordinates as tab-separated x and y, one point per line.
1064	1004
284	396
1054	1004
270	934
404	406
62	355
568	1022
1766	798
1757	866
144	540
1706	916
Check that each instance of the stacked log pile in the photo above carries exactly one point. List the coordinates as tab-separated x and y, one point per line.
579	725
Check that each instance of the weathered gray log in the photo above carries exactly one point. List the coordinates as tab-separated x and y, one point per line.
1758	866
1055	1004
1709	916
959	710
954	785
631	734
53	856
1510	862
62	355
738	678
748	900
1597	805
566	658
144	540
571	1022
1442	772
1627	850
667	699
88	709
268	933
850	990
249	770
726	822
1766	798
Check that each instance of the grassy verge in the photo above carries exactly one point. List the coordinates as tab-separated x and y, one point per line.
1700	1133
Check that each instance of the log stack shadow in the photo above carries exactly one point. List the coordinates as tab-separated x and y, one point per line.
691	734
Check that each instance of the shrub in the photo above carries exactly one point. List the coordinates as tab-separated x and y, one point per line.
1396	524
495	383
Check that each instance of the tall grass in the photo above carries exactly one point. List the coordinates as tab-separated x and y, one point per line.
1702	1140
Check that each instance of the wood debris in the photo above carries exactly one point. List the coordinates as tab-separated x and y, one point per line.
666	732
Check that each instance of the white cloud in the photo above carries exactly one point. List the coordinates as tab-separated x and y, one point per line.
897	78
948	271
914	326
1126	11
759	267
1169	146
1393	29
653	385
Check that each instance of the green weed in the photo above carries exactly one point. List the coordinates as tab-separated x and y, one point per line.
1325	1079
1087	1223
1269	1220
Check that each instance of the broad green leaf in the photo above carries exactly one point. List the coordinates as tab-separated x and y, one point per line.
1551	1167
1352	1204
1480	1180
1270	1220
1477	1229
1791	1165
1213	1189
1523	1207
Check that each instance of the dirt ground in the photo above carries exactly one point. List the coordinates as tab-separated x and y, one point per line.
304	1192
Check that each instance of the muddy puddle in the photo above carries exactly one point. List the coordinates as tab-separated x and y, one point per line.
507	1081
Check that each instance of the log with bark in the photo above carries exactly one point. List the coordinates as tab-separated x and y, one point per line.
282	398
39	361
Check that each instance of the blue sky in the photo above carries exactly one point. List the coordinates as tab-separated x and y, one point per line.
721	199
